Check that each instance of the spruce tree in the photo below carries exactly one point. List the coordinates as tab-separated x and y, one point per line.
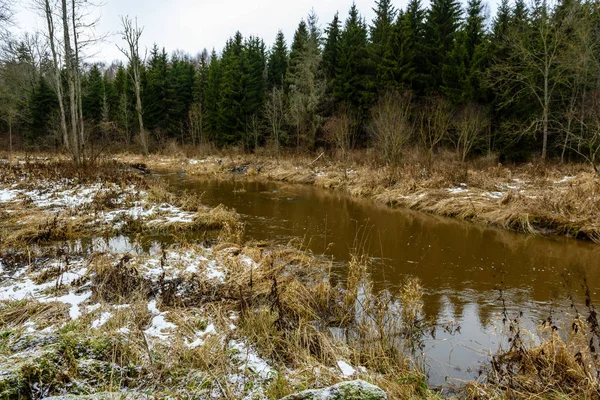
254	84
330	51
298	47
461	73
42	105
352	84
156	90
382	58
409	46
278	62
231	114
440	31
212	98
93	99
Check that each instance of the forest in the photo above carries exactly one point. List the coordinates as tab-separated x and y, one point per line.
522	84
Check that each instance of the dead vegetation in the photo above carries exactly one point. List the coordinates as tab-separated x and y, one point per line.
531	198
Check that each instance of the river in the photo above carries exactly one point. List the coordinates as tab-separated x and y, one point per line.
471	274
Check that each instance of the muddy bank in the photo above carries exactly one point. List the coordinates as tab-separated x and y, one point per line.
533	199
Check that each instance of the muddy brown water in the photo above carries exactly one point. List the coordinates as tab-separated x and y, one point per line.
464	268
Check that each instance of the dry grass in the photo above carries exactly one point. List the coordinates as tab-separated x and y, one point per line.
557	368
532	198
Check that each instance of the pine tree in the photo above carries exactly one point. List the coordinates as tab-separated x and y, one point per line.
278	62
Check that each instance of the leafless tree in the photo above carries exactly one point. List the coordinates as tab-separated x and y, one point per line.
339	131
196	123
76	32
47	9
433	123
275	115
586	142
535	69
470	126
391	127
131	34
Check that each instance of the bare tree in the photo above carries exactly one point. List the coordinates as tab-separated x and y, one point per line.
131	34
535	70
586	142
196	123
47	10
433	122
339	131
77	32
6	18
71	83
391	127
275	115
470	126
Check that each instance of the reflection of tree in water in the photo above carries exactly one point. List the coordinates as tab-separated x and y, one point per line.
446	255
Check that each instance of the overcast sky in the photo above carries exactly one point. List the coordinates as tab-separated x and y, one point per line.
192	25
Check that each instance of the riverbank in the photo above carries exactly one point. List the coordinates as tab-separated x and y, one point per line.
535	199
110	283
85	309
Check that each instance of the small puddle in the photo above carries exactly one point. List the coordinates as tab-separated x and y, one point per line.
468	271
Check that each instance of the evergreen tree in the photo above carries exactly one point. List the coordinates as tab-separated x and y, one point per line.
298	46
213	96
306	84
330	51
278	62
352	84
42	106
231	114
181	92
156	90
254	84
440	30
461	74
382	57
409	47
93	100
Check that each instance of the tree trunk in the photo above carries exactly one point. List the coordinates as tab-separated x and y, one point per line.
78	84
10	147
138	107
57	77
545	113
71	85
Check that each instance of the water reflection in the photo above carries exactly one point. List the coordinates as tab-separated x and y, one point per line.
462	266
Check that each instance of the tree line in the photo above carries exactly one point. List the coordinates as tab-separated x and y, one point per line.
522	84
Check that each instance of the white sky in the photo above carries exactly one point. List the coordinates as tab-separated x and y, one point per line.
191	25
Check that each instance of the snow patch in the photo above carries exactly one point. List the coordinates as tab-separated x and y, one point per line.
250	360
104	317
346	368
159	326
